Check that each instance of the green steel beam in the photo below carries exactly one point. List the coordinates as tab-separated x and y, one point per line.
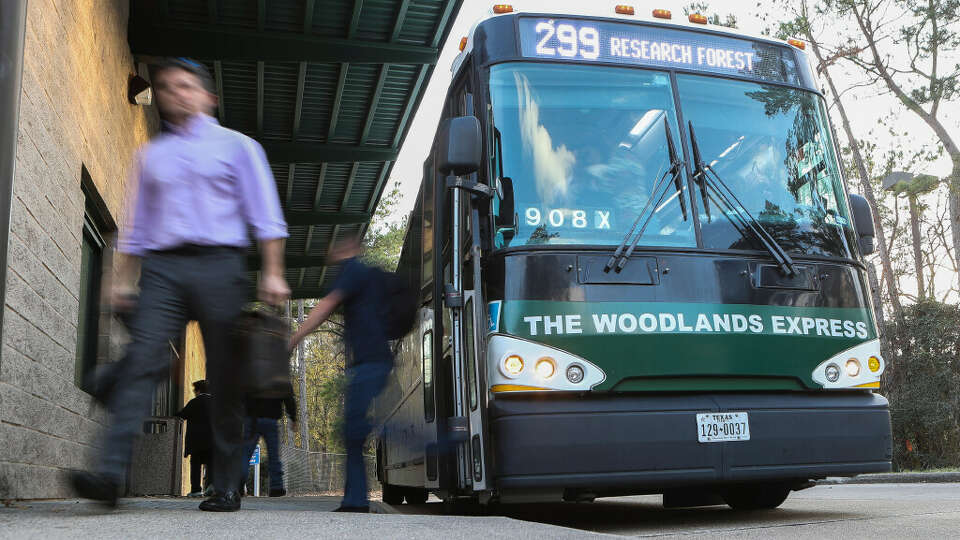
308	16
290	172
319	191
412	102
442	29
219	43
333	240
337	99
401	15
355	20
307	217
298	103
374	102
312	152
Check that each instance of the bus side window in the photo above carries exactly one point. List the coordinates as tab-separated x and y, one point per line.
427	207
429	406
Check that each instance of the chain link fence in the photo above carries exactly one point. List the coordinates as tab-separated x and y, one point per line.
320	473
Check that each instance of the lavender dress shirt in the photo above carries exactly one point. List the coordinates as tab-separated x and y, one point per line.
201	184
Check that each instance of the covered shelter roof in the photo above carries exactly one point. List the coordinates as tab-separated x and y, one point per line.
328	87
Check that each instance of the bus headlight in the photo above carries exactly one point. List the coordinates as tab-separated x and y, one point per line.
832	373
511	366
846	370
521	365
853	367
545	367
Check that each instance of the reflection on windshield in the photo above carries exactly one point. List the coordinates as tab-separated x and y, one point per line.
771	145
552	166
584	146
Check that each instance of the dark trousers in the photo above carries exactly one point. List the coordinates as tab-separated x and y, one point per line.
364	382
198	459
203	284
253	429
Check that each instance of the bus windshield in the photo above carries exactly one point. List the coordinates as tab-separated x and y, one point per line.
585	145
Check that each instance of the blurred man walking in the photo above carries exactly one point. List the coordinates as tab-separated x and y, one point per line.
360	289
197	187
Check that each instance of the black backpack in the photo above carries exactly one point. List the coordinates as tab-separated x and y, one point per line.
399	305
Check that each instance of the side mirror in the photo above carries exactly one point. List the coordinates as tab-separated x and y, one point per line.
459	146
863	222
505	218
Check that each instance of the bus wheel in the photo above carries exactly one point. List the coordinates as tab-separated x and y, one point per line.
416	495
391	494
756	496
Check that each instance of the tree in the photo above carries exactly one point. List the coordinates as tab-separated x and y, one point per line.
928	30
805	24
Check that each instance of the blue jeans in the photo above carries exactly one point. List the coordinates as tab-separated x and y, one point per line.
364	382
253	429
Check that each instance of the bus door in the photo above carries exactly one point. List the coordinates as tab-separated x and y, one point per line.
464	300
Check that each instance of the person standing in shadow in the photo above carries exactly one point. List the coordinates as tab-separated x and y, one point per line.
199	441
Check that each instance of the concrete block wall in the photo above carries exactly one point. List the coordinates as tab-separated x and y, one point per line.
74	114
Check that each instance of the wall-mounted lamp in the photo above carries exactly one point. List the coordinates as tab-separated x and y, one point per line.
139	91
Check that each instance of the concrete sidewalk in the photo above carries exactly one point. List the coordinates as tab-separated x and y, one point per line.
896	478
282	517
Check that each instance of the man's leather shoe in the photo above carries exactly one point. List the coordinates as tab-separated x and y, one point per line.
278	492
357	509
227	502
95	486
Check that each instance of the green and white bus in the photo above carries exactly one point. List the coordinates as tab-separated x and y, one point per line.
640	272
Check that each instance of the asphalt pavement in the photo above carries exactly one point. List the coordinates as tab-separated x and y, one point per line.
930	510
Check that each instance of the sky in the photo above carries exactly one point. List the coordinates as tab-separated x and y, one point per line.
865	106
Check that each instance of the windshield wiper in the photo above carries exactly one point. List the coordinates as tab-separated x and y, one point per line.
619	258
708	178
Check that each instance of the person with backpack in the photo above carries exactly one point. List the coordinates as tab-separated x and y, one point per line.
367	294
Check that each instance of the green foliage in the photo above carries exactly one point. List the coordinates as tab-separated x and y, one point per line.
921	381
384	238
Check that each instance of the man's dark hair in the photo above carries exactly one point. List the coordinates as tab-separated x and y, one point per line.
192	66
200	387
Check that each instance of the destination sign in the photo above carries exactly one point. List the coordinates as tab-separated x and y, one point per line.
602	41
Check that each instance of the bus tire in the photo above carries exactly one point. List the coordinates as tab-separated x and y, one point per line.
392	495
756	496
416	495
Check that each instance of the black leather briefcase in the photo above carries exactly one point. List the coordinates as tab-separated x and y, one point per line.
261	339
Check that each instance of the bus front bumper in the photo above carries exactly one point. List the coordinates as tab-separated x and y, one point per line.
642	443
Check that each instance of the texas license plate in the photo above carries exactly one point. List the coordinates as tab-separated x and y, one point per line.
719	427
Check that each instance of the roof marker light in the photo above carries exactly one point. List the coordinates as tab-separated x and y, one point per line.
797	43
698	18
502	8
662	14
463	43
624	10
